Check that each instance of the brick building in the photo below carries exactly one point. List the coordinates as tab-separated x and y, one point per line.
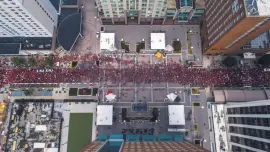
229	25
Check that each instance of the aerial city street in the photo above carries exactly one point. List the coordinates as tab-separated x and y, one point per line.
135	75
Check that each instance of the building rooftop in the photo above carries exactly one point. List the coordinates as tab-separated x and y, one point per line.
200	4
33	127
220	128
65	12
56	4
9	48
69	30
29	43
258	7
150	146
171	4
69	2
240	95
107	41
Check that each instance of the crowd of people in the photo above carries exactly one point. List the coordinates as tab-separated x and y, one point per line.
103	69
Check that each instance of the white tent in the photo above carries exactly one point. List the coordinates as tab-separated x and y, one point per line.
107	40
176	114
171	96
110	96
169	48
39	145
104	115
40	128
157	41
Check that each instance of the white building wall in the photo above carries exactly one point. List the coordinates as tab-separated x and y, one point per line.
27	18
149	8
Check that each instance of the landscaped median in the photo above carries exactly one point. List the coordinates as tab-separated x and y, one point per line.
83	91
80	131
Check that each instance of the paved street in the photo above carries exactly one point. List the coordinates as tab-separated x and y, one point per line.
90	25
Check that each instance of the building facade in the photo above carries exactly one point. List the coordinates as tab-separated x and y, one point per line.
147	12
27	18
228	25
246	126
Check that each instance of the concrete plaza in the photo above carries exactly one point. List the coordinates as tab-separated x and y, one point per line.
132	34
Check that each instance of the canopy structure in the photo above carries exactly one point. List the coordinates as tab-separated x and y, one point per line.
110	97
157	41
10	48
249	56
39	145
104	115
107	41
169	48
240	95
171	97
69	31
176	114
41	128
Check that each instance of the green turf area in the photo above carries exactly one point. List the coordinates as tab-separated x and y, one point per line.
80	131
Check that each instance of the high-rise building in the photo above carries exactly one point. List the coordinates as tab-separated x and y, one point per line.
241	126
157	12
228	25
248	126
27	18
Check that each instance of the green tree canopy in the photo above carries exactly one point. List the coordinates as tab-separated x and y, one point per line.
229	61
18	61
176	46
32	61
265	60
48	62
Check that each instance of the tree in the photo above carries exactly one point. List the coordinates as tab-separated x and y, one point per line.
229	61
17	61
125	46
265	60
139	46
48	62
176	46
28	92
32	61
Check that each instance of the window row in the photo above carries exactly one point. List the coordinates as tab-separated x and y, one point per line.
251	143
250	132
250	110
250	121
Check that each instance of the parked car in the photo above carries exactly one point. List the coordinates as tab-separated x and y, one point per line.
102	29
97	35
